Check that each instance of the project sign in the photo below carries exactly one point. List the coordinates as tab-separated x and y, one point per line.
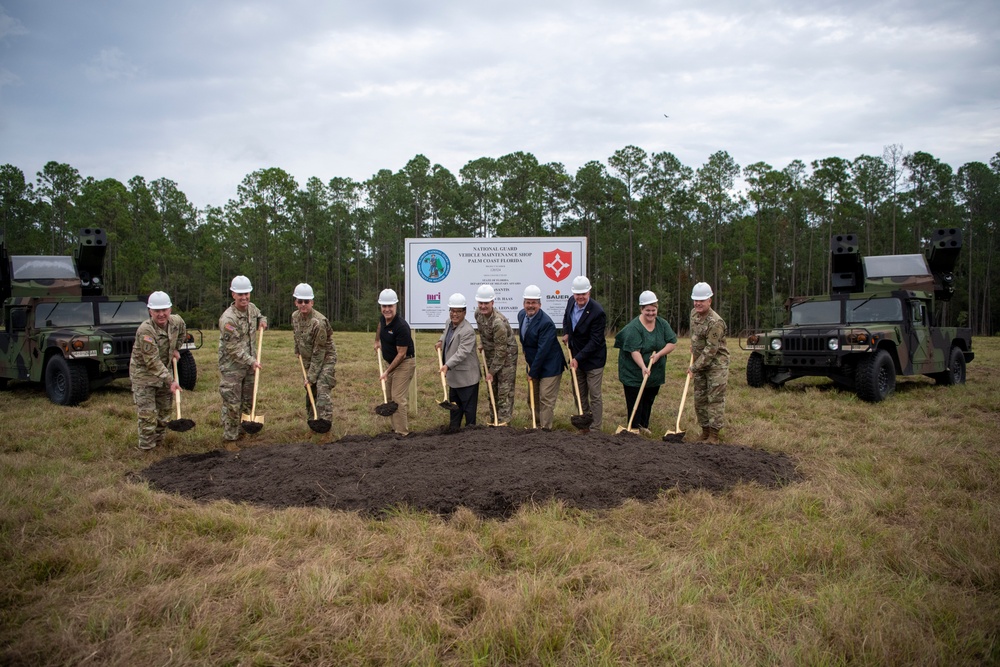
438	268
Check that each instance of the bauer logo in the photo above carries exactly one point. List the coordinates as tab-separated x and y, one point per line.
433	266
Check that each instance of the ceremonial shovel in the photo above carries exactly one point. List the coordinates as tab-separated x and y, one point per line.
179	424
253	422
316	424
622	429
677	435
489	385
387	408
446	404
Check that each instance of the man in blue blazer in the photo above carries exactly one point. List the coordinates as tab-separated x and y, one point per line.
542	354
583	332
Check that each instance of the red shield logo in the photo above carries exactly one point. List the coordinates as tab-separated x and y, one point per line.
558	264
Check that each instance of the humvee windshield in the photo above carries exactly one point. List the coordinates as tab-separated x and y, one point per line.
857	311
81	313
123	312
64	314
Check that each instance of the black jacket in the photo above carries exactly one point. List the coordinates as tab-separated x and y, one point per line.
586	342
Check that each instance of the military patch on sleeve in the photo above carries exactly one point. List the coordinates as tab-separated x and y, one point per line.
230	327
225	336
149	339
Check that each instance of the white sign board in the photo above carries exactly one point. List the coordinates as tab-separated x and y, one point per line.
437	268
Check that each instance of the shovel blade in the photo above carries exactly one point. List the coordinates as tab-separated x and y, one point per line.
320	425
585	420
386	409
674	436
447	405
254	425
180	425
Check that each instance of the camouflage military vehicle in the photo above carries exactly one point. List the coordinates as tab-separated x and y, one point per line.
61	330
878	323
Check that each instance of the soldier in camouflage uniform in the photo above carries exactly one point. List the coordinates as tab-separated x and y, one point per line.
237	357
710	368
499	344
314	343
157	343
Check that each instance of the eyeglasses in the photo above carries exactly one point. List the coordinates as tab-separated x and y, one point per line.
301	301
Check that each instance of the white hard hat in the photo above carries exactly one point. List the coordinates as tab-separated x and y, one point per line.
701	292
581	285
456	300
304	291
647	298
241	285
158	301
532	292
485	294
387	297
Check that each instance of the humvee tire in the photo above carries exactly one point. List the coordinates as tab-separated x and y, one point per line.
66	382
756	373
956	369
875	377
187	371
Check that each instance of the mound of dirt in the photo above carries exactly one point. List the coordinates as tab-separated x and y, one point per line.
491	471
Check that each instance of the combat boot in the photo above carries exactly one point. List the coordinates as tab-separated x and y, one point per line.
705	434
713	436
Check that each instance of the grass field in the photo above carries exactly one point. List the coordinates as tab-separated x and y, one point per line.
888	552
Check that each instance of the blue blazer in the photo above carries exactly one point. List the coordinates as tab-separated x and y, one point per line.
586	342
541	349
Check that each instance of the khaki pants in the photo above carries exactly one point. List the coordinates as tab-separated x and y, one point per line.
546	393
397	387
591	395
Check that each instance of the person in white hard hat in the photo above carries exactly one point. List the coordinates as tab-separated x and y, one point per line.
710	369
238	328
541	354
499	345
395	343
584	324
313	338
461	367
158	342
644	344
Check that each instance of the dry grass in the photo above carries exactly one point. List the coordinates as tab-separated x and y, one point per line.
885	554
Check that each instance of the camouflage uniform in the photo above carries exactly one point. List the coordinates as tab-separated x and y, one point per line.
710	368
500	347
237	352
151	372
314	342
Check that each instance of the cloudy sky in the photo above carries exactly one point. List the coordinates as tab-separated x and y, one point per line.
205	92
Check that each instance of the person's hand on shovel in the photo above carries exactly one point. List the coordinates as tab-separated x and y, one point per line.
444	367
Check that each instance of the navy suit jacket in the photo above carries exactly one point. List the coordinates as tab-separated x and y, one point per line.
586	342
541	349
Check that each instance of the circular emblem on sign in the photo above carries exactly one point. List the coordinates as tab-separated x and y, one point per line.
433	266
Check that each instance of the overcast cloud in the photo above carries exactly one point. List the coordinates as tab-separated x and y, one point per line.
204	93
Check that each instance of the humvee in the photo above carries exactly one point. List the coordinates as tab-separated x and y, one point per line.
878	322
61	330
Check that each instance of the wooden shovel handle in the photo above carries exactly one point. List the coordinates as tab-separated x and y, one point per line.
177	394
256	373
489	385
576	388
531	397
378	355
684	395
444	384
309	389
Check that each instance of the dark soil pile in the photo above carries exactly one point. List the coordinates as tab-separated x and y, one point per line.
491	471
